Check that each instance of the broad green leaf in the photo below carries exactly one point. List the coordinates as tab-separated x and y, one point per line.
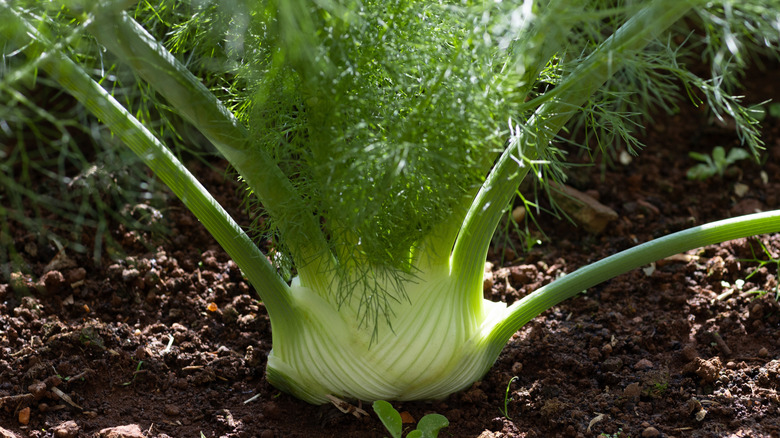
699	156
737	154
389	417
719	156
700	172
431	424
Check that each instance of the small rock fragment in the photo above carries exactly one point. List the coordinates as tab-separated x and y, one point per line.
612	364
643	364
126	431
68	429
129	275
76	275
585	210
632	391
24	416
650	432
523	274
741	189
487	282
693	406
53	281
37	389
763	352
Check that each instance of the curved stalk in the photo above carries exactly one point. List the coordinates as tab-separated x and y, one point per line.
502	182
149	59
578	281
273	291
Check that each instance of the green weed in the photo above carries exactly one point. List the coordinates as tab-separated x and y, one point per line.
715	164
428	426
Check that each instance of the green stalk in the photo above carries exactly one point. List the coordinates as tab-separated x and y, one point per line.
578	281
540	44
499	188
132	44
274	292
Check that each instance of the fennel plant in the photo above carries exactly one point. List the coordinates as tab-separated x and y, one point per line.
383	141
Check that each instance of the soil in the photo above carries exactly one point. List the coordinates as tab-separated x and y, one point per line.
167	335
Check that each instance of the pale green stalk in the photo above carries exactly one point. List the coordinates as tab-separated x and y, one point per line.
580	280
132	44
471	247
274	292
539	45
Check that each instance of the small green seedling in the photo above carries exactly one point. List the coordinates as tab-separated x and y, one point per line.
761	263
137	371
428	426
507	399
716	164
618	434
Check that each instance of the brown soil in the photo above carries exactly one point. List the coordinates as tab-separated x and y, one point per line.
676	352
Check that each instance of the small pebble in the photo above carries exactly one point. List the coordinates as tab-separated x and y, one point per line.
53	280
24	416
68	429
172	410
612	364
650	432
643	364
75	275
268	433
125	431
129	275
763	352
632	391
37	389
